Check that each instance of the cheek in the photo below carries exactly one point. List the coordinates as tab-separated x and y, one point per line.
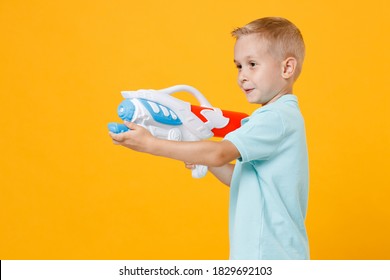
269	77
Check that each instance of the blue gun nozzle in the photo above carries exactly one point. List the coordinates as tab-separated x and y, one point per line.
126	110
117	127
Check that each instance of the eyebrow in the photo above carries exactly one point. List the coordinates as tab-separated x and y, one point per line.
248	57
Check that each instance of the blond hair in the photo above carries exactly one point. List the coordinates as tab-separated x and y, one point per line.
283	37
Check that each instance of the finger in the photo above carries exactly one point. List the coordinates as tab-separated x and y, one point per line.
116	137
189	165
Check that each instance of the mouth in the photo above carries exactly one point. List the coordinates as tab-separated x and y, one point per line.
248	90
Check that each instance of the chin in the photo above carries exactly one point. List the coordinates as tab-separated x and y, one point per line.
253	100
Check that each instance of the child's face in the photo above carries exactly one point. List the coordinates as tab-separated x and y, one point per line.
259	73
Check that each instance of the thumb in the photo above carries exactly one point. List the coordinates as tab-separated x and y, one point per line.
130	125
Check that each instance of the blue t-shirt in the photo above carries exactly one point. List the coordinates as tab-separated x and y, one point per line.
269	188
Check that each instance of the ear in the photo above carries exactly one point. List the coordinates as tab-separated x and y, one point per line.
288	67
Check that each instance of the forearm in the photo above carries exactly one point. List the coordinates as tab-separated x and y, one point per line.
223	173
209	153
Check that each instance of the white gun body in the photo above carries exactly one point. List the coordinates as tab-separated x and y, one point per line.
170	118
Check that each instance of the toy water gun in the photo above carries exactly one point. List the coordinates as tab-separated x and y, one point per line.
167	117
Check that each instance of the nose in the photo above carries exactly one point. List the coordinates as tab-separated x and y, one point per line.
242	77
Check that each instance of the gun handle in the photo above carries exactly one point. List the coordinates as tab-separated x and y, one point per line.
199	171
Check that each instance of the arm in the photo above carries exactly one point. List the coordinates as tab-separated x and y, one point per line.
207	153
222	173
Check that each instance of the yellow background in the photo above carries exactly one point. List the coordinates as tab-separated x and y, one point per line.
68	193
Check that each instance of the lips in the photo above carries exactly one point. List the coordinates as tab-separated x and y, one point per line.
248	90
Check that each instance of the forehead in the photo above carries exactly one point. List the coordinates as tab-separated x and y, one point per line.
250	45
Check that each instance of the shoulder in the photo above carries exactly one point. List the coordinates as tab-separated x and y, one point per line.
267	116
285	110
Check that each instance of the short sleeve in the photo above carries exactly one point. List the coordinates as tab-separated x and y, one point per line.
259	137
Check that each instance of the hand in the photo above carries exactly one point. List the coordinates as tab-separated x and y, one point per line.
190	166
137	138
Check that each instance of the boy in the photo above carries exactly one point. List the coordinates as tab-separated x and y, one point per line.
269	182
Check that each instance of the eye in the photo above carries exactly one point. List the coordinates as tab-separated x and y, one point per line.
238	66
252	64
